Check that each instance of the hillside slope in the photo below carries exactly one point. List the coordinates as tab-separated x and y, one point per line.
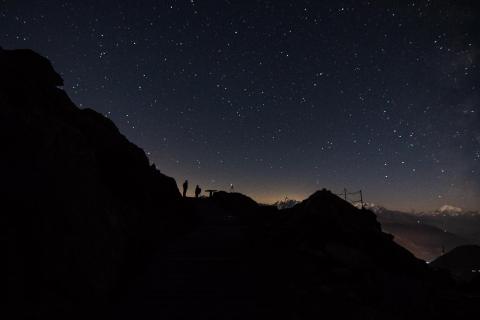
79	199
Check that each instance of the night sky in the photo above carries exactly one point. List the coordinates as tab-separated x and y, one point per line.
280	98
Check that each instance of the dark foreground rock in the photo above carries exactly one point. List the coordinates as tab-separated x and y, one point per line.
463	265
79	201
333	258
462	262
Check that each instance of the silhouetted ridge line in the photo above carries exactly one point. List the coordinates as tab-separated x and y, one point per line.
26	67
83	202
462	262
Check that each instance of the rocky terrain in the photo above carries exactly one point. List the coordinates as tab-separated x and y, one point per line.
462	262
80	201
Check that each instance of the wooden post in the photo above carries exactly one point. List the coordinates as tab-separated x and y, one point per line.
345	193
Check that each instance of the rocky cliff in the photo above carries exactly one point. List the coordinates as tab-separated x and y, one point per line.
78	199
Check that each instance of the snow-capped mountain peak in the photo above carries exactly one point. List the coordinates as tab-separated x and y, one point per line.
286	203
450	209
370	206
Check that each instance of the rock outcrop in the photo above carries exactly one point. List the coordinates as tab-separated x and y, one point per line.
330	258
463	262
78	199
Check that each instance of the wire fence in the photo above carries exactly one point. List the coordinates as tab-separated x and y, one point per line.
354	198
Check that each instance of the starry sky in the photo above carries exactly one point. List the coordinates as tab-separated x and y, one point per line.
279	98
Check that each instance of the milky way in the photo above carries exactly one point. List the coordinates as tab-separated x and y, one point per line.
279	98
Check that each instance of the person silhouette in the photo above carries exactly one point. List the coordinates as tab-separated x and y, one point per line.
185	187
198	190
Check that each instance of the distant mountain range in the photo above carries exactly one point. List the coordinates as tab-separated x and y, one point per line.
443	210
430	234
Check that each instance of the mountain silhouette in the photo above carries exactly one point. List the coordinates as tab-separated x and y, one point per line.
79	199
90	223
463	262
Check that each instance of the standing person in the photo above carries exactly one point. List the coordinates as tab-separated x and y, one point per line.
185	188
231	187
198	190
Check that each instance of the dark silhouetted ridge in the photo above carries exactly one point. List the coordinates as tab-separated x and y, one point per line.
78	199
463	262
324	219
24	67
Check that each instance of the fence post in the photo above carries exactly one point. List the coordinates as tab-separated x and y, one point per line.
361	197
